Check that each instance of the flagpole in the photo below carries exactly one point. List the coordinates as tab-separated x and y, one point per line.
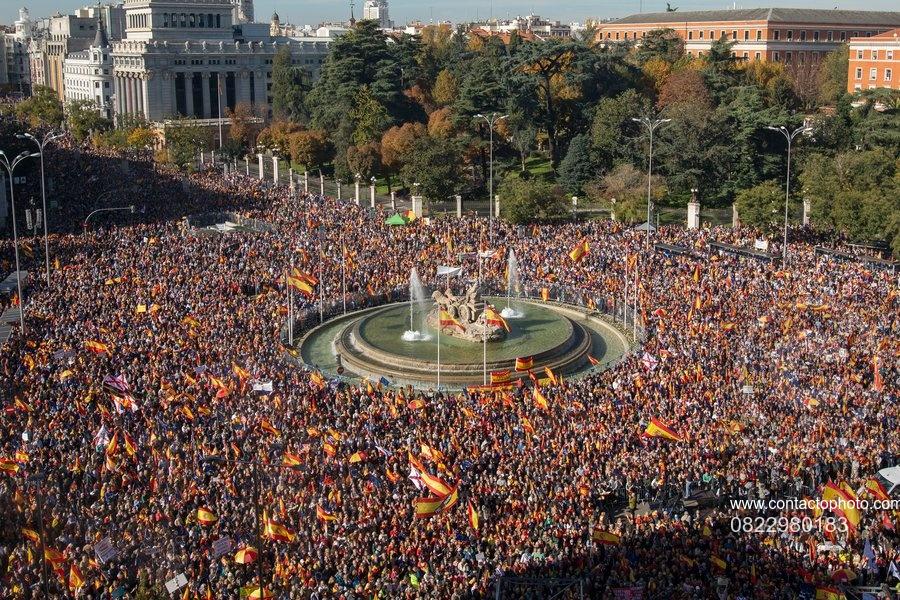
634	312
290	307
439	349
483	324
321	279
625	310
219	103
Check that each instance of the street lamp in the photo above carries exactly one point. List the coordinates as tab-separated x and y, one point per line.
789	136
130	208
356	190
372	192
491	121
41	144
10	167
651	125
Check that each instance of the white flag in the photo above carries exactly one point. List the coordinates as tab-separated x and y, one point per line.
448	271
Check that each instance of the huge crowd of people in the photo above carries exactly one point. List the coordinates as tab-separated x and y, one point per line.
129	406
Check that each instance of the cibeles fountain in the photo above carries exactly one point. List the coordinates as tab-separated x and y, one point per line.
455	336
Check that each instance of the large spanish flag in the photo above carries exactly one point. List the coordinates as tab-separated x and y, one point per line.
524	363
277	532
205	516
846	504
876	490
495	319
448	320
8	466
301	286
437	486
113	444
130	446
500	376
76	579
540	400
579	251
657	428
290	460
606	538
96	347
829	593
427	507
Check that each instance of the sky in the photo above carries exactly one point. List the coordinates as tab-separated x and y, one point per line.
401	11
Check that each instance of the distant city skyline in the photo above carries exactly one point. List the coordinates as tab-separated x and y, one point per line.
316	11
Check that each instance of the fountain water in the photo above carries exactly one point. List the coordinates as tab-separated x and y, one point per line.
417	298
512	286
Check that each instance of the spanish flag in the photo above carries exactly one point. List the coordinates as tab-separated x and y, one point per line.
829	593
549	372
357	457
266	426
205	516
594	362
324	515
113	444
240	372
447	320
96	347
290	460
277	532
22	405
245	555
500	376
606	538
32	535
329	449
304	276
579	251
130	446
524	363
317	379
876	490
437	486
54	556
266	594
495	319
8	466
427	507
301	286
527	426
718	562
540	400
656	428
473	516
450	500
76	579
846	504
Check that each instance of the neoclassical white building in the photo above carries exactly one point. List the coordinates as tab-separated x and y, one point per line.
186	57
88	75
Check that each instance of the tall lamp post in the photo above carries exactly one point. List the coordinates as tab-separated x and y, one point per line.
41	144
651	125
492	121
10	168
789	136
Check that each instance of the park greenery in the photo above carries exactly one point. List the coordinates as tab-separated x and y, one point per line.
405	110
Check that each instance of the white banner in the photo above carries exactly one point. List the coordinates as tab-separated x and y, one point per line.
448	271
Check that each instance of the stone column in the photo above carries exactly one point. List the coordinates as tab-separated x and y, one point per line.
417	206
206	112
305	182
129	96
806	209
372	195
735	219
275	170
693	215
497	206
189	95
117	87
339	186
261	173
458	206
291	177
321	183
393	201
247	165
145	85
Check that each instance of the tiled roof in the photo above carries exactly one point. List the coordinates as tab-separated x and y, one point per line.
775	15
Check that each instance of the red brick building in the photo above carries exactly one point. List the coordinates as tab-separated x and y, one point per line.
874	62
791	35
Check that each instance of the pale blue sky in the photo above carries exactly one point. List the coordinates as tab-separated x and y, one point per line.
315	11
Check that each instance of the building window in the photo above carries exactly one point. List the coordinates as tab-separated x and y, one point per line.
859	54
690	35
802	35
787	57
776	35
746	35
183	20
734	34
193	20
775	56
873	74
218	21
626	35
843	36
758	56
890	54
165	19
746	55
815	36
830	36
701	34
790	35
202	21
887	74
758	35
874	54
712	35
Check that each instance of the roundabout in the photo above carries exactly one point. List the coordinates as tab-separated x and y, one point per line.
375	343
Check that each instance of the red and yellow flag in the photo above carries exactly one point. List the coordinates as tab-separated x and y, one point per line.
606	538
657	428
876	490
500	376
540	400
130	446
448	320
324	515
113	444
473	516
579	251
10	467
76	579
205	516
96	347
524	363
495	319
277	532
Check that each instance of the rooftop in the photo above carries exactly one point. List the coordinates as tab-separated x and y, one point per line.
776	15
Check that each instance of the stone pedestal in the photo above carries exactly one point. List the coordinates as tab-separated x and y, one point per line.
393	201
291	177
458	206
339	186
735	219
417	206
275	170
372	196
693	215
356	193
247	165
261	171
201	158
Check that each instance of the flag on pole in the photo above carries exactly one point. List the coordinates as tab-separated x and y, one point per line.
657	428
324	515
524	363
579	251
473	516
205	516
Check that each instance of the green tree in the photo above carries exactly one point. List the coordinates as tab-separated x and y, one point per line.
832	76
762	206
183	141
623	191
369	117
663	44
578	167
288	88
523	200
445	88
855	193
82	118
42	109
436	165
613	131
